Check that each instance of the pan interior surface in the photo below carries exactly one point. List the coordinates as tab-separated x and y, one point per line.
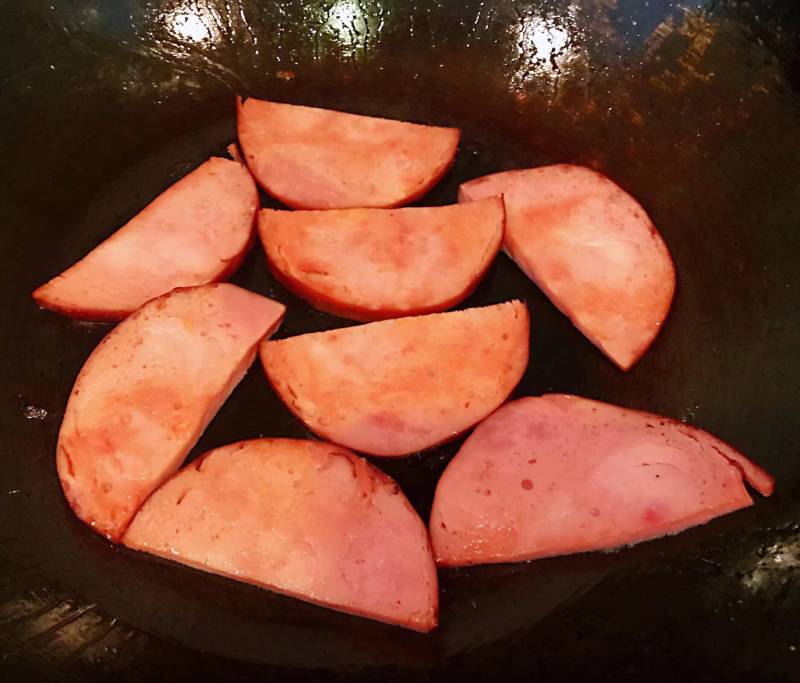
693	107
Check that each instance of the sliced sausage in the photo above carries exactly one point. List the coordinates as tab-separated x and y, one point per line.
591	248
147	392
311	158
396	387
195	232
303	518
561	474
371	264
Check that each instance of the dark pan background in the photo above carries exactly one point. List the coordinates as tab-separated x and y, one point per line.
693	107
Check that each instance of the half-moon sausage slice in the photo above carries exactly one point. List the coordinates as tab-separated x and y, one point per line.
147	392
195	232
303	518
396	387
561	474
312	158
591	248
371	264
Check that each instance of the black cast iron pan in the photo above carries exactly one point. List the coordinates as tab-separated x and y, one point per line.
693	107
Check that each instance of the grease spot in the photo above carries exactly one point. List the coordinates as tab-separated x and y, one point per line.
32	412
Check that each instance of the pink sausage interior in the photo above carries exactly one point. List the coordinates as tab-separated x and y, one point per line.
396	387
561	474
303	518
147	392
312	158
370	264
591	248
197	231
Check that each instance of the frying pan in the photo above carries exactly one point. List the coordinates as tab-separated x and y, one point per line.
692	107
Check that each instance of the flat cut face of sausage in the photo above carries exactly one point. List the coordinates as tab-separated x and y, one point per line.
591	248
560	474
147	392
304	518
371	264
195	232
396	387
312	158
